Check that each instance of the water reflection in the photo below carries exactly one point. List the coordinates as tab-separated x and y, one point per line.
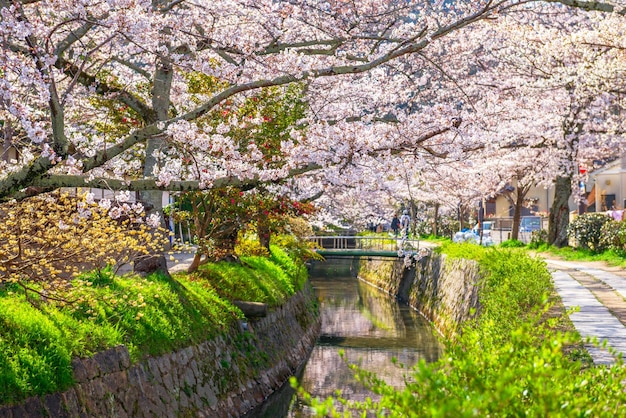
370	327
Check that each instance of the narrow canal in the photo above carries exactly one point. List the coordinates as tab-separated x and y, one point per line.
369	326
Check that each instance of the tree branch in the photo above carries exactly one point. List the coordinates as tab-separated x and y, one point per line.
102	88
597	6
54	181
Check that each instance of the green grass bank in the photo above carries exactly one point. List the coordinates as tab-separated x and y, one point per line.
150	316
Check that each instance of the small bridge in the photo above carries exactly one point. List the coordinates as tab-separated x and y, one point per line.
363	246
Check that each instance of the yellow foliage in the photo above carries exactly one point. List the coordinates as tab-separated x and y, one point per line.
48	239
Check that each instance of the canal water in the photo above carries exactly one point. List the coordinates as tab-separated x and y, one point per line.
369	326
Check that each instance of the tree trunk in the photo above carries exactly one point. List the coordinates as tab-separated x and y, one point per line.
263	231
517	212
161	103
225	240
195	263
436	219
413	213
559	212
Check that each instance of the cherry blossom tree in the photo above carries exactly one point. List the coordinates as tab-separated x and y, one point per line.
564	66
104	94
71	68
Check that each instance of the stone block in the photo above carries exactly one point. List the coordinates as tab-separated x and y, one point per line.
71	401
183	400
151	264
115	383
137	377
207	394
189	378
34	408
168	382
54	406
164	363
130	400
80	371
6	411
164	395
152	368
108	361
193	366
123	356
92	369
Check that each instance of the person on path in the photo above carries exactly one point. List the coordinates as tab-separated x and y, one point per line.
616	214
405	223
395	224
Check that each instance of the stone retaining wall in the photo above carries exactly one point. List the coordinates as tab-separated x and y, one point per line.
223	377
442	289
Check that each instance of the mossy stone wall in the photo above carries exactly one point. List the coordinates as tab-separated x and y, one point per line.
443	289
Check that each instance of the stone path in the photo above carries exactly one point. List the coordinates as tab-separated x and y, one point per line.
600	293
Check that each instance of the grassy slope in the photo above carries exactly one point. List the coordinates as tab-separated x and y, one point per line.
151	316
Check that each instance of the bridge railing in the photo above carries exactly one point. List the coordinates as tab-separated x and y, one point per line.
341	242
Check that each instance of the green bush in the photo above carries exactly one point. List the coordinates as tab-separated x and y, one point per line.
293	266
465	250
538	239
586	229
512	243
153	315
35	358
255	279
614	235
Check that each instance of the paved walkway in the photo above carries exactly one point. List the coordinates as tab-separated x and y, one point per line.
600	293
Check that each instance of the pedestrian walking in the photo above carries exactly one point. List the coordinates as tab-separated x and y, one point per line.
405	223
395	225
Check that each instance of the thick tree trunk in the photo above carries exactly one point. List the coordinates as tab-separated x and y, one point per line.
559	212
161	103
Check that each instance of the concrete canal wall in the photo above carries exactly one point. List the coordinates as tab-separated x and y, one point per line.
223	377
443	289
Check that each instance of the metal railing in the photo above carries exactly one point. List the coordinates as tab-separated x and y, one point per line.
501	229
341	242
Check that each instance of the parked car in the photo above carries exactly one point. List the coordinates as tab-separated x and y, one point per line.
487	226
530	223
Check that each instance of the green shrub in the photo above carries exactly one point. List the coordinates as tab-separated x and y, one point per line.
614	235
508	297
35	358
465	250
250	245
512	243
255	279
586	229
538	239
294	267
